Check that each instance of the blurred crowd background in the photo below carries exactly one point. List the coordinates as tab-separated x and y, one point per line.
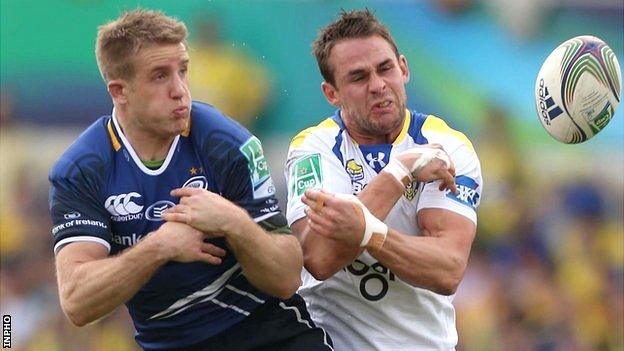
547	267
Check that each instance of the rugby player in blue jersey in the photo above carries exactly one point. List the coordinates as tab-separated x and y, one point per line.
168	206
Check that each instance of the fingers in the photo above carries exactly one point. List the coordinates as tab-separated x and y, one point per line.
210	259
318	206
448	182
178	213
448	178
213	250
319	223
211	254
186	191
312	195
434	146
176	217
316	199
446	174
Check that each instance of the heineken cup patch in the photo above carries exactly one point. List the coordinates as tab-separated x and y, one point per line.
306	174
258	168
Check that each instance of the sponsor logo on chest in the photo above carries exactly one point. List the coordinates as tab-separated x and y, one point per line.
126	240
124	207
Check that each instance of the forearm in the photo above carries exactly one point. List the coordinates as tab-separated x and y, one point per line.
323	257
427	262
381	194
271	262
93	289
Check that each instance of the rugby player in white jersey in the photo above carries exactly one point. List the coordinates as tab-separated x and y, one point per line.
382	199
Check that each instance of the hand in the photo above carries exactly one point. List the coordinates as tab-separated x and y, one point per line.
203	210
428	163
186	244
334	217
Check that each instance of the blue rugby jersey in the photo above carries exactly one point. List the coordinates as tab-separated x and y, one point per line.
101	192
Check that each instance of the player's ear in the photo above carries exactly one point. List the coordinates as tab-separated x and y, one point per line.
330	94
117	91
404	68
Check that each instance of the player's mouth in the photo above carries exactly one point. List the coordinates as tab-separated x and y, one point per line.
181	111
383	106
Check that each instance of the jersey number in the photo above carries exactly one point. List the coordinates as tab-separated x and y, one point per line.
374	283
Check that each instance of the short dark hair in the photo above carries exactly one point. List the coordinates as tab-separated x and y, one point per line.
350	24
119	40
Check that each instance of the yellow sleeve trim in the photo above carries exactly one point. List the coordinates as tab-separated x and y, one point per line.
113	137
437	125
299	138
406	124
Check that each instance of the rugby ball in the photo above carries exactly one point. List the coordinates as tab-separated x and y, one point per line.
578	89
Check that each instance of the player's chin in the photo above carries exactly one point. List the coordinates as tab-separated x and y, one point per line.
178	126
387	121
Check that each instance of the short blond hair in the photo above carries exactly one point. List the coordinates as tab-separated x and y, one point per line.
119	40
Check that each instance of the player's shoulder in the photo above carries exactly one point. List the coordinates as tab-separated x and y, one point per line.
323	132
432	129
89	153
208	124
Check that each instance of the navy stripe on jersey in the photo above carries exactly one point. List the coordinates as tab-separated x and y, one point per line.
336	148
415	128
102	193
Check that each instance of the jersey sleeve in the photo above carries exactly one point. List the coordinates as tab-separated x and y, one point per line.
469	185
246	180
75	207
312	164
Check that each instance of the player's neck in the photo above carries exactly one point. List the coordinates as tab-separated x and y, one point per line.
147	145
368	139
363	137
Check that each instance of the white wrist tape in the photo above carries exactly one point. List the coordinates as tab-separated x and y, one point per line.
425	155
398	171
373	224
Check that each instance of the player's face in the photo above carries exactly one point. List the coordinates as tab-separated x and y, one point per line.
369	88
158	96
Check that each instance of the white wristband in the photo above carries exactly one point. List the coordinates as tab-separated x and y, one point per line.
425	155
398	170
374	227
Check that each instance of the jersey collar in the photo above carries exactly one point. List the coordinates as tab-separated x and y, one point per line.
399	139
133	154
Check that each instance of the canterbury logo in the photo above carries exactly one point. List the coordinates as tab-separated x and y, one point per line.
122	204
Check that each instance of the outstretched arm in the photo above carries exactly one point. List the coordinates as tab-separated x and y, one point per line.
271	262
91	284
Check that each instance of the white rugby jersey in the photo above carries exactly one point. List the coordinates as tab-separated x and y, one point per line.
365	306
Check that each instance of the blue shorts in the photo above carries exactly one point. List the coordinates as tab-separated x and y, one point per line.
277	325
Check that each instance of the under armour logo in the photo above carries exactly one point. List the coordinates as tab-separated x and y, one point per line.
379	159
